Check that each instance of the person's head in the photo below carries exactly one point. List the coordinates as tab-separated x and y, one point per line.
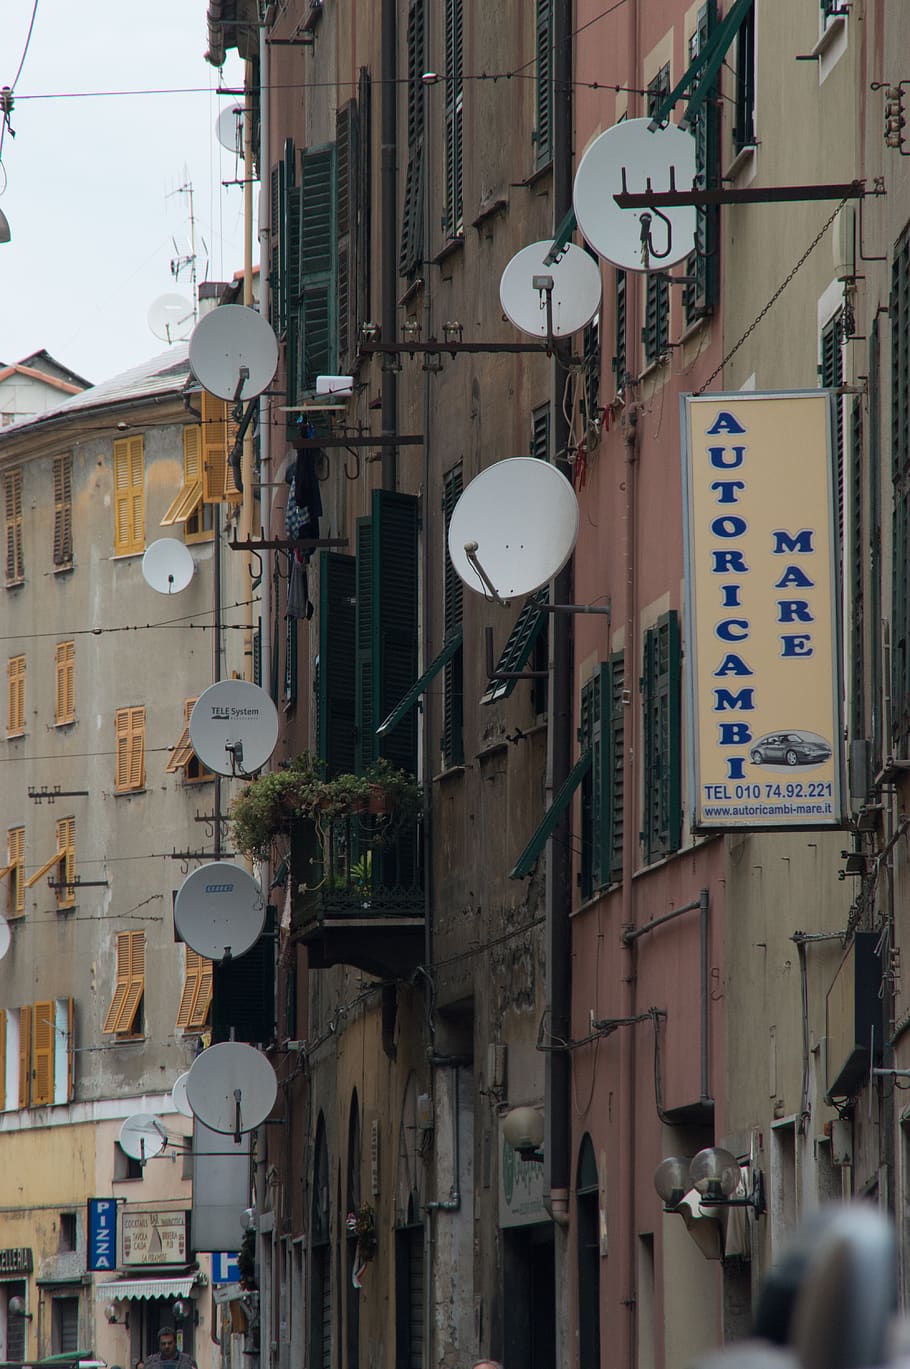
167	1342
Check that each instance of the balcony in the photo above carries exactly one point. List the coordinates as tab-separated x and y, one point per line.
358	892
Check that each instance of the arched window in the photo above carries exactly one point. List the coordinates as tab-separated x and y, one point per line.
587	1207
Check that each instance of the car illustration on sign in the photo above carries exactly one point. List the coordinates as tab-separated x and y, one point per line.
790	748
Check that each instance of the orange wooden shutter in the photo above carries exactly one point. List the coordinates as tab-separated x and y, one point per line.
122	985
192	961
63	510
66	845
16	701
15	568
64	682
200	1010
25	1056
16	849
43	1039
136	986
137	748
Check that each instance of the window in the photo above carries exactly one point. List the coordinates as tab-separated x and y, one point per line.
453	682
129	727
900	475
129	496
64	858
15	1326
410	255
15	871
125	1166
454	108
15	716
183	757
218	431
544	84
196	999
189	496
65	683
123	1016
63	510
12	498
587	1208
744	128
65	1324
656	334
602	724
660	686
66	1232
38	1037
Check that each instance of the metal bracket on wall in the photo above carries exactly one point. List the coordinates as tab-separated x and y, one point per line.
39	795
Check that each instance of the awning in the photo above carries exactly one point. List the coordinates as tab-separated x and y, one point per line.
144	1288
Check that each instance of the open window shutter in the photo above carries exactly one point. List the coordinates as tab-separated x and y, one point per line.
137	492
336	700
137	748
454	93
362	227
122	984
63	510
366	713
662	739
199	1011
410	253
617	726
122	734
25	1056
394	615
595	735
136	987
317	325
544	91
701	264
66	844
190	987
13	500
70	1051
2	1059
43	1040
346	187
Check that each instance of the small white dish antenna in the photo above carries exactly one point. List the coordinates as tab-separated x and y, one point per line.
142	1136
628	157
168	565
232	1088
572	286
219	910
178	1095
514	528
229	129
233	352
234	727
170	317
5	937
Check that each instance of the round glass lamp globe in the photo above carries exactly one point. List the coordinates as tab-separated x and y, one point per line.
715	1173
523	1128
671	1179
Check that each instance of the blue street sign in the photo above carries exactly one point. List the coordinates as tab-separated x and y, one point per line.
224	1267
102	1233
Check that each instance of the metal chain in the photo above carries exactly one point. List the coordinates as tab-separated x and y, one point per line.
775	297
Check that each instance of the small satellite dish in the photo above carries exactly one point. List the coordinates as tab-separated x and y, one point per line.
234	727
335	385
574	290
143	1136
219	910
517	520
168	565
233	352
232	1087
178	1095
5	937
615	233
229	129
170	317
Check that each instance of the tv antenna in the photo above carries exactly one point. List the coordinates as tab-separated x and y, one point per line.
186	262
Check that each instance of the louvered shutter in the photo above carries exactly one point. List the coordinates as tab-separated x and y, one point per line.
129	496
454	96
410	253
12	489
70	1051
277	240
199	1012
336	697
25	1056
346	186
137	748
191	971
64	682
394	617
122	737
63	510
16	699
121	987
318	259
43	1042
243	992
617	735
544	83
453	604
136	951
66	876
16	850
366	713
516	653
662	824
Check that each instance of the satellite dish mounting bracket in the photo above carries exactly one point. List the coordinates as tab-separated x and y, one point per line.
490	590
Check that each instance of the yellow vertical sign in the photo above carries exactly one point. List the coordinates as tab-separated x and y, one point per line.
764	665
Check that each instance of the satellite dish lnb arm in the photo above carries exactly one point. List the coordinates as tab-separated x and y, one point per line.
237	449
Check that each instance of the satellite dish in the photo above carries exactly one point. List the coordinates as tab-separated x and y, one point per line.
615	233
219	910
574	297
232	1087
233	352
5	937
168	565
170	317
234	726
143	1136
229	129
521	518
178	1095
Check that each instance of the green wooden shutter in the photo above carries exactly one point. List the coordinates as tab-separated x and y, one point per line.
744	128
617	728
336	694
662	826
540	432
656	332
899	310
521	642
547	826
278	236
699	294
346	186
857	574
394	617
316	318
597	786
410	253
453	608
620	318
454	96
290	661
544	83
874	534
831	375
362	226
366	713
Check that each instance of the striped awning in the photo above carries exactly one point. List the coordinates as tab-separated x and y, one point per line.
144	1288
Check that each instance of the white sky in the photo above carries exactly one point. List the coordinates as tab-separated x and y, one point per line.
89	182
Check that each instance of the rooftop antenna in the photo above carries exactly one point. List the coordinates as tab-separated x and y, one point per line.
187	261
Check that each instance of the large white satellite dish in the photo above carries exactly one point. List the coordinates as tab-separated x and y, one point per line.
229	129
233	352
616	234
574	296
168	565
142	1136
219	910
170	318
232	1087
234	727
5	937
518	520
178	1095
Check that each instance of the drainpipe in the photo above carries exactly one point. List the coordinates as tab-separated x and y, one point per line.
453	1202
558	886
389	219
